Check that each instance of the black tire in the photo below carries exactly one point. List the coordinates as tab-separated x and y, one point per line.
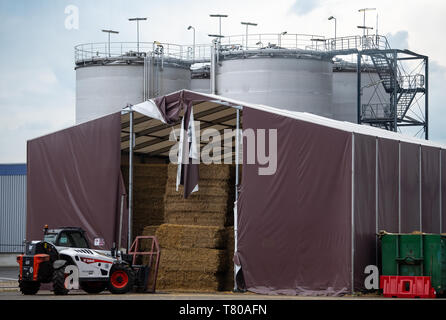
29	287
59	282
93	287
121	280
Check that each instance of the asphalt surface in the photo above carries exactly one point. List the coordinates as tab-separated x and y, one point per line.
9	273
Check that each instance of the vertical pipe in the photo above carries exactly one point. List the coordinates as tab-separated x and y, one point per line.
420	189
426	98
441	204
353	214
395	91
131	142
376	197
358	88
120	221
399	186
213	66
237	161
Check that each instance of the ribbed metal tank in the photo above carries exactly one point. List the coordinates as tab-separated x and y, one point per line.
298	82
106	84
200	80
345	88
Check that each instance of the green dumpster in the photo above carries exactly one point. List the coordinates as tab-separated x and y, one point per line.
415	255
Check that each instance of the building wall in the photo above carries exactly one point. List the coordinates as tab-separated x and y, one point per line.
12	207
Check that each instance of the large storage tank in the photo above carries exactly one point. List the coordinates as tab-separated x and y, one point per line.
107	84
200	79
278	78
345	87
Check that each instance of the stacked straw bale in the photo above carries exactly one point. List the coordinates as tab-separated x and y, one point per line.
149	185
211	205
192	257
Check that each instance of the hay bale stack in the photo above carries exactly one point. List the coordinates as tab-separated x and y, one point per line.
192	257
149	185
190	236
211	205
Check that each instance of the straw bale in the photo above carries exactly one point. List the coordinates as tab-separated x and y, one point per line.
189	236
193	259
211	171
189	281
228	282
196	218
216	205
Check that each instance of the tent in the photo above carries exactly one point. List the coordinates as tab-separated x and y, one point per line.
309	227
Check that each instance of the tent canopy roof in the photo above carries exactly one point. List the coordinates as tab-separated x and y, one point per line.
218	112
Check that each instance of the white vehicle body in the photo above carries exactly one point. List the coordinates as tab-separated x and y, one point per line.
92	264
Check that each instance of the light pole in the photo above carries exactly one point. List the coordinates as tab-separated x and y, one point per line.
333	18
137	29
280	37
109	31
364	10
219	16
193	50
247	24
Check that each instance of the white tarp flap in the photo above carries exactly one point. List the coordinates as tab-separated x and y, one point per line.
149	109
193	151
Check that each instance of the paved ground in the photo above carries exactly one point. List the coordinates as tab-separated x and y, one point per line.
9	291
9	273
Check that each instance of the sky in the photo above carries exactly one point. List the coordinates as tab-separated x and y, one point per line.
38	80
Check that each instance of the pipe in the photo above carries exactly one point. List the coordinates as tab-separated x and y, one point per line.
131	143
237	161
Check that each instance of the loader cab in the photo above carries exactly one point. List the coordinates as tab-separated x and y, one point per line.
67	237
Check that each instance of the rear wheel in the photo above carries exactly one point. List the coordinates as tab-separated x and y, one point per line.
29	287
93	287
59	282
121	279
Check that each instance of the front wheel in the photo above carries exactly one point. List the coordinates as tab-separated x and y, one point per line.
121	279
29	287
59	282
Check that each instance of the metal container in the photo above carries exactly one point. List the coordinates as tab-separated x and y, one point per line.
200	79
415	255
107	81
345	88
278	78
12	207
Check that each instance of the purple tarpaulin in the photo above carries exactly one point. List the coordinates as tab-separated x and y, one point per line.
74	179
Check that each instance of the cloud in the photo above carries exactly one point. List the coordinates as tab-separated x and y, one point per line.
399	39
302	7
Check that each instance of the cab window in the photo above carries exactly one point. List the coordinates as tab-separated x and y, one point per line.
79	240
64	240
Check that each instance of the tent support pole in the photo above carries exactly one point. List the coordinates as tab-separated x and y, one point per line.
131	143
353	214
237	161
399	186
420	190
441	203
376	199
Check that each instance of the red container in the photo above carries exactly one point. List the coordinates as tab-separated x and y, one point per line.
406	287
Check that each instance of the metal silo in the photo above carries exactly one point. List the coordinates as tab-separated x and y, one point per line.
108	80
200	79
292	73
345	87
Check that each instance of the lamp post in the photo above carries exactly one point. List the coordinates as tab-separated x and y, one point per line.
193	50
280	37
247	24
109	31
364	10
137	29
219	16
333	18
